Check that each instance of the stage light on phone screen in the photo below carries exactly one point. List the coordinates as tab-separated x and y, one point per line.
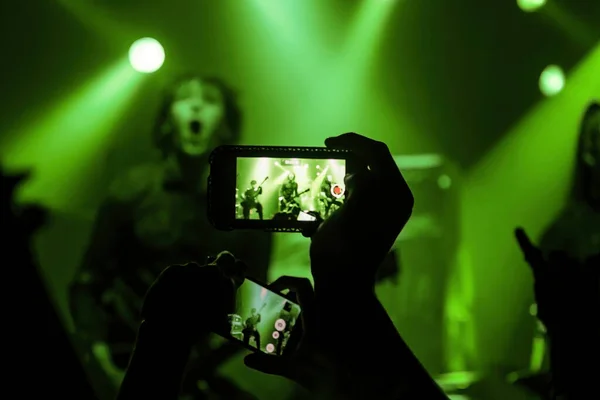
275	335
280	324
270	348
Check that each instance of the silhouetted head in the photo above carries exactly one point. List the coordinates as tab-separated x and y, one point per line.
197	114
587	173
291	177
253	311
253	183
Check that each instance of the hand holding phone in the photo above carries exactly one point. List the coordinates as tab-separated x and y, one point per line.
349	247
182	292
303	362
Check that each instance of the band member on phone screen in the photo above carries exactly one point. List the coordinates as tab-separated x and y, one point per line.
155	216
251	328
251	202
288	194
330	202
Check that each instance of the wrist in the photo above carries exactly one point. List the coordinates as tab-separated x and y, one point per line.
159	340
157	365
167	333
337	292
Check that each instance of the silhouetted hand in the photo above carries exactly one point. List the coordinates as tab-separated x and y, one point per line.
191	300
567	291
346	251
348	248
20	220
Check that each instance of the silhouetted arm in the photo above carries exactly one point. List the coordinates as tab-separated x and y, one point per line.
96	273
101	264
390	369
574	345
157	365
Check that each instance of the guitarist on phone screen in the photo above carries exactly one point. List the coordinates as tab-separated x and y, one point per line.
251	327
287	197
251	202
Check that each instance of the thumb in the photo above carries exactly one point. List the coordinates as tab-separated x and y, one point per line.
272	365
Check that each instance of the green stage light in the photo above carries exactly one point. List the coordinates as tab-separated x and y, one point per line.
146	55
531	5
552	80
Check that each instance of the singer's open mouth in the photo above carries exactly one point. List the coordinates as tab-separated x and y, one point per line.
196	127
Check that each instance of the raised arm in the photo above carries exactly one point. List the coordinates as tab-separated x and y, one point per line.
96	273
99	268
171	325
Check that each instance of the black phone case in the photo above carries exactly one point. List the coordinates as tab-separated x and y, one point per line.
220	173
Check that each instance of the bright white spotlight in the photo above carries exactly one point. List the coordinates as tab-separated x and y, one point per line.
146	55
552	80
531	5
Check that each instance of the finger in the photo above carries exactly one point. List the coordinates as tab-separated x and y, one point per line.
301	286
358	182
375	153
231	267
238	273
532	254
523	240
305	294
310	229
293	297
267	364
348	179
225	259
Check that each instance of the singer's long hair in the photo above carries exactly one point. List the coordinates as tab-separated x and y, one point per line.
582	180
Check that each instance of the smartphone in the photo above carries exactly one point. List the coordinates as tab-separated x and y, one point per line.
264	320
278	189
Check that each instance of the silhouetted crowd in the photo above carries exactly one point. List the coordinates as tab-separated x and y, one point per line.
346	251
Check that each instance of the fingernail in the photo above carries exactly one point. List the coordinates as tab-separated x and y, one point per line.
225	258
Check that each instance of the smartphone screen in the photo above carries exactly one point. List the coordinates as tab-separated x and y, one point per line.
288	189
263	319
